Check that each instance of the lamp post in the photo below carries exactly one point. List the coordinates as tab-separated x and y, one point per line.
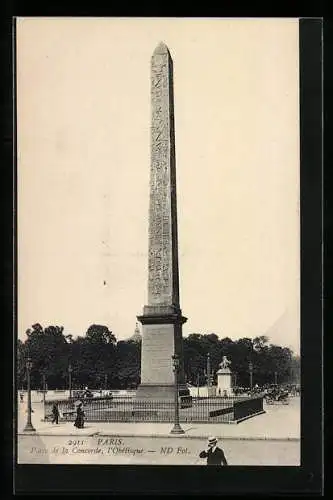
44	388
275	377
70	369
28	426
208	373
175	365
106	381
251	374
198	379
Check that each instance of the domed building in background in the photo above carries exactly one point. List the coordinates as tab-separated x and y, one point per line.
136	337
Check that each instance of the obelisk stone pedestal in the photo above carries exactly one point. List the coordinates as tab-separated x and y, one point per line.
162	318
161	339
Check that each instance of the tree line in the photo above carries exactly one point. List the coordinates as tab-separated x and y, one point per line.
98	360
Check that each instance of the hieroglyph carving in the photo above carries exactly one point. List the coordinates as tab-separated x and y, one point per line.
160	237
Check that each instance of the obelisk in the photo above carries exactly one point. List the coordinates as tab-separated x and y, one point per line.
162	318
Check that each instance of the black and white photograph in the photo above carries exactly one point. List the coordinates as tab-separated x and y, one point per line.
158	241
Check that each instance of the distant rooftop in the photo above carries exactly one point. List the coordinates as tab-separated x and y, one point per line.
136	337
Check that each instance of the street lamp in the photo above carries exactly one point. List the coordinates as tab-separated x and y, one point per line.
208	372
44	387
29	427
175	365
198	380
275	377
251	374
70	369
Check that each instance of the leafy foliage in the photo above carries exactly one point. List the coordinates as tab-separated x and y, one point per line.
98	360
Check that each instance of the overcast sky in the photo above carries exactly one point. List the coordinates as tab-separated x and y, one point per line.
83	97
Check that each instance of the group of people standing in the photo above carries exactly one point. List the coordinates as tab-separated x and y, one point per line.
79	420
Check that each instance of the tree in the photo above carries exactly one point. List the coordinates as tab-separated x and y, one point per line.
279	360
128	364
93	357
97	354
21	364
100	334
265	358
48	352
260	343
295	370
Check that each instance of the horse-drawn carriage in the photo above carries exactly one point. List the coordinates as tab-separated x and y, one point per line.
277	397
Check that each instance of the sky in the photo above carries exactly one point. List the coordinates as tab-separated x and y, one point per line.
83	134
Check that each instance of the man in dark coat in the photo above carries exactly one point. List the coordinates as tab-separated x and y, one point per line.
55	413
214	454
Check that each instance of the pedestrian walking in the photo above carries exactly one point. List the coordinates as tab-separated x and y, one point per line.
21	397
214	454
55	413
79	421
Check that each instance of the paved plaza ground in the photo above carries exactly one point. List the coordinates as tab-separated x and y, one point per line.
272	438
278	422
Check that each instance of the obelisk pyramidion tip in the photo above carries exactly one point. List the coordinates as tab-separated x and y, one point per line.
161	49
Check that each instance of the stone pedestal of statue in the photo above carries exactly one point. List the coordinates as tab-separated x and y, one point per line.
224	378
224	384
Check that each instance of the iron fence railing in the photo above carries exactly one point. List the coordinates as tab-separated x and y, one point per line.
116	409
248	407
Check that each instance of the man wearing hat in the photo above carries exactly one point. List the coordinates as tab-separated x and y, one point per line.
214	454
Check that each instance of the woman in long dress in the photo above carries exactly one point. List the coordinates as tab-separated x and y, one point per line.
79	421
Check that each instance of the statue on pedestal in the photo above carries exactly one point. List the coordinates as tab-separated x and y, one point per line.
224	384
225	363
